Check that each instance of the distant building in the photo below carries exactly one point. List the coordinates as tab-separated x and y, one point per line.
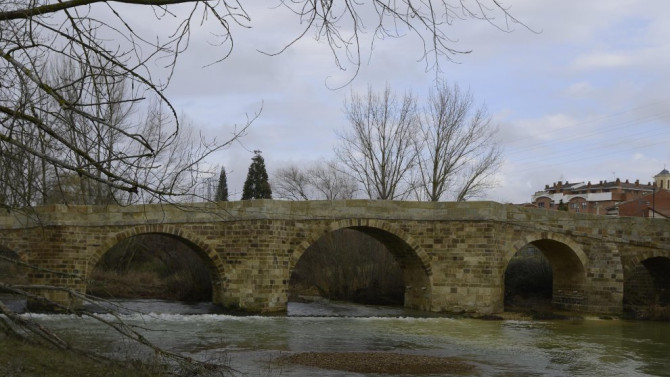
601	198
655	205
662	180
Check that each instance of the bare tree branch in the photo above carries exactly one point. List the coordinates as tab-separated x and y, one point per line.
342	24
447	149
321	181
457	150
291	183
379	150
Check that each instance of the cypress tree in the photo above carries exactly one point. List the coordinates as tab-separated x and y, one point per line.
257	186
562	206
222	187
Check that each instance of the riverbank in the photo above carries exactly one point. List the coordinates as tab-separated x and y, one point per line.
23	359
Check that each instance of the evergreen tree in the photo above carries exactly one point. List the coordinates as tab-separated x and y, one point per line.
222	187
256	186
562	206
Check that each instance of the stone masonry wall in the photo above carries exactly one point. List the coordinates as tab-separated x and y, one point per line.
454	255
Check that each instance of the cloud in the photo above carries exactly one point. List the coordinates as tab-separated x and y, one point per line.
584	96
582	89
600	60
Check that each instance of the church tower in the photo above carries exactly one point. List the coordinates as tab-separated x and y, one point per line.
662	180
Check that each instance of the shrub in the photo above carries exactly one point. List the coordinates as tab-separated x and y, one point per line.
351	266
152	266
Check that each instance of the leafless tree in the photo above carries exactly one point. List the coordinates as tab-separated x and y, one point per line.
331	182
174	168
23	176
379	149
458	152
179	167
80	112
291	183
478	176
104	45
323	180
445	150
94	138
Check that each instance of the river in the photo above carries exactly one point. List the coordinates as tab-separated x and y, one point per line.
590	347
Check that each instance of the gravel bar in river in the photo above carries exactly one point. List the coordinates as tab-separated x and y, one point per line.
377	362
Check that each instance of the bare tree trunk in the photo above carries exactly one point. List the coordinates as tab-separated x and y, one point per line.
380	148
458	152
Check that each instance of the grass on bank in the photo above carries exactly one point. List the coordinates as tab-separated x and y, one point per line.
23	359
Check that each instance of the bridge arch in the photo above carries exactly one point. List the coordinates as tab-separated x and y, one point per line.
534	237
569	265
413	260
206	253
640	255
646	292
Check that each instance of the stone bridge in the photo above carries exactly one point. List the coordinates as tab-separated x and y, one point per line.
453	255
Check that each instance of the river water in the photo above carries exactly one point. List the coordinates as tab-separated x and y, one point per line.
590	347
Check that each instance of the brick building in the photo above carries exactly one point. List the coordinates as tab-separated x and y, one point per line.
606	198
600	198
655	205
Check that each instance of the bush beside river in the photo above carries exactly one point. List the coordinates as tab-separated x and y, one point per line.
348	265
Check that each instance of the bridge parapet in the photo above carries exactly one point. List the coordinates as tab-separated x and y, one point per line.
618	229
59	214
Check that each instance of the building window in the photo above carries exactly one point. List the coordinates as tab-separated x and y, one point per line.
584	204
540	204
574	205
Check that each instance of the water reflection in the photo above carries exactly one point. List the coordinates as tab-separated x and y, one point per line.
151	306
346	309
15	303
294	309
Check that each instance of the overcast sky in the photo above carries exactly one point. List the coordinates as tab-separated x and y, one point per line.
584	96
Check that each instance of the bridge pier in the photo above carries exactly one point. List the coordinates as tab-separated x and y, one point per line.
255	271
418	287
52	300
56	261
52	289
